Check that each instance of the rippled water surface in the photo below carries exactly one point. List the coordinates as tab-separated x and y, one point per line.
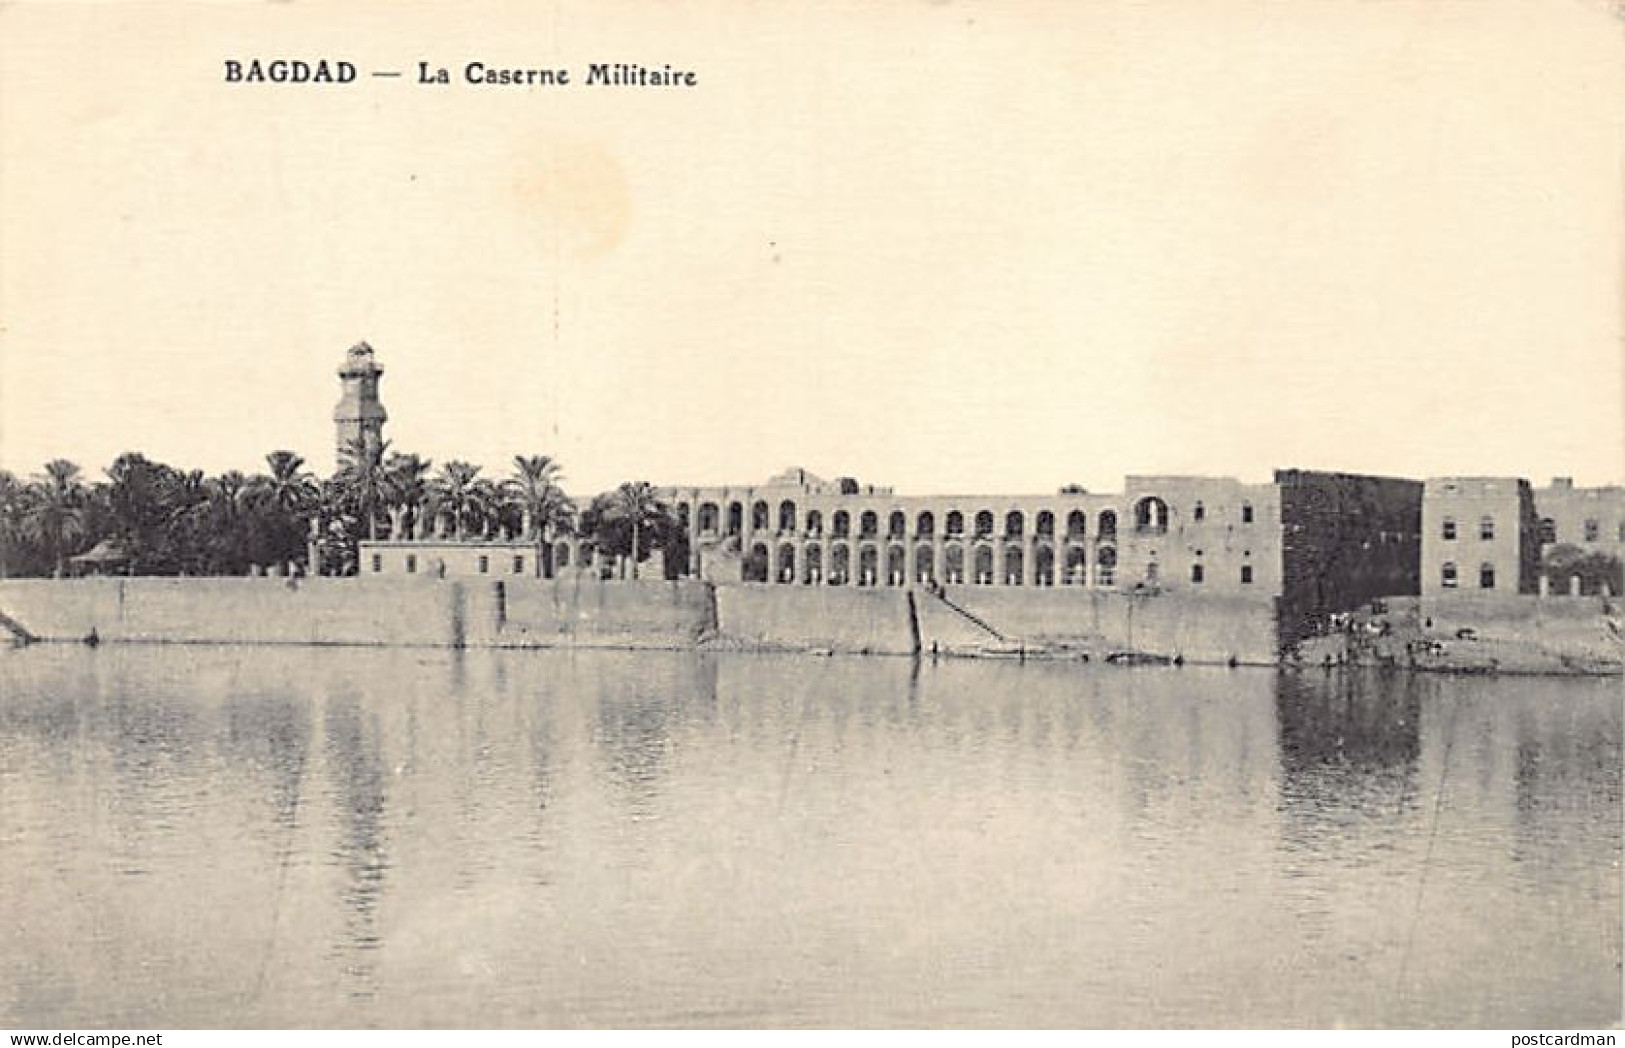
331	837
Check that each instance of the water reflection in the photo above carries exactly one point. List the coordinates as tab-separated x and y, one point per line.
357	780
555	839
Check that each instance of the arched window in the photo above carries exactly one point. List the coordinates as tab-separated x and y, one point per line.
1447	530
1108	525
1486	527
1486	576
682	515
984	523
708	516
868	524
956	522
1447	574
787	516
841	527
756	566
896	566
1046	523
813	569
925	565
1014	524
1106	566
868	567
787	563
926	525
736	518
955	568
984	565
840	565
815	522
1548	531
1044	566
759	516
1074	567
1151	516
1013	565
1077	522
897	524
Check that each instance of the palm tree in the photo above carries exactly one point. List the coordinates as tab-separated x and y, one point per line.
408	481
289	486
281	502
364	478
631	521
546	510
460	490
56	513
141	497
14	496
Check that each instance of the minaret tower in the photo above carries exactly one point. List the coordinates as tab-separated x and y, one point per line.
359	414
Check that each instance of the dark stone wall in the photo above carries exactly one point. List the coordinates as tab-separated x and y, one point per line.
1346	539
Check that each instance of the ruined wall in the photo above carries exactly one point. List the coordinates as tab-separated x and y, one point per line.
1345	540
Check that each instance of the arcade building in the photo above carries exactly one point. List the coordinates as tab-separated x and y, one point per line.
1314	542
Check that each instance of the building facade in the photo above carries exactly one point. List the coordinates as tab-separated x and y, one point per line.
1495	534
1590	518
1169	533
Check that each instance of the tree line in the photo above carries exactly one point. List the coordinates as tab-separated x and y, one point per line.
145	517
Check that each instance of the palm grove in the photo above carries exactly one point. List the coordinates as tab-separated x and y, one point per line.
149	518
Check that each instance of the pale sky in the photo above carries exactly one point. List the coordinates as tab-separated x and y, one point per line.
948	247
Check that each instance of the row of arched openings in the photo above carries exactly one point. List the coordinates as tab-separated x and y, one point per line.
890	565
714	518
1151	515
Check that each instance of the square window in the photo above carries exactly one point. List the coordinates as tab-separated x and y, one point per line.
485	564
377	563
519	565
1246	574
411	564
1196	573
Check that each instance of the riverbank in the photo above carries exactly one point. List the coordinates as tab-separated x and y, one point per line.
580	611
1477	634
1572	636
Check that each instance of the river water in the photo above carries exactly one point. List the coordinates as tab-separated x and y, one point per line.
271	837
